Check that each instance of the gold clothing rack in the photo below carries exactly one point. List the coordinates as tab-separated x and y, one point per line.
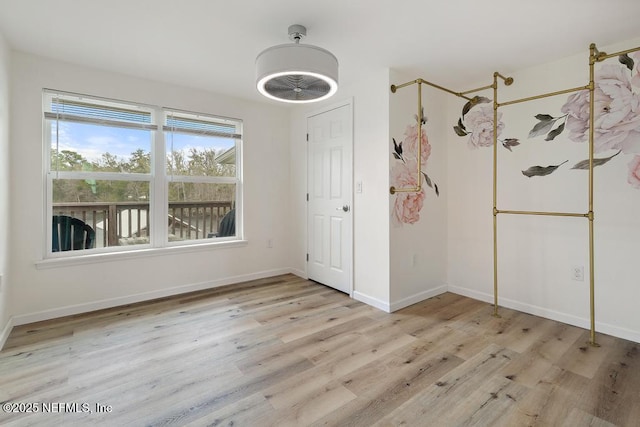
594	56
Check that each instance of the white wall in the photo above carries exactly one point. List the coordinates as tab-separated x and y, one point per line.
370	156
4	190
41	293
371	218
418	251
536	254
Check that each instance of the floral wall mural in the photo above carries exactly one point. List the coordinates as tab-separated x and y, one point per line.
404	173
616	127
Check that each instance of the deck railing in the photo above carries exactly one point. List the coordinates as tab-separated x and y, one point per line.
128	222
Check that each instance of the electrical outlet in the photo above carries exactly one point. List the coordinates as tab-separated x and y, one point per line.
577	273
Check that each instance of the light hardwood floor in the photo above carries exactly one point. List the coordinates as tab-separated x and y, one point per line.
286	351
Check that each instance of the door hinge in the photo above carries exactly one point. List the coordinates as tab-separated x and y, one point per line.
307	197
307	137
307	257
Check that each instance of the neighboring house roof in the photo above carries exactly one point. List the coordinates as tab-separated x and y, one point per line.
227	157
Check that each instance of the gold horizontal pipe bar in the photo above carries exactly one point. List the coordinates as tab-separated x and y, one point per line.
507	80
394	190
396	87
601	56
571	214
477	90
446	90
545	95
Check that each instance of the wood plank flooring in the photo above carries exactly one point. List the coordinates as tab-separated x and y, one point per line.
288	352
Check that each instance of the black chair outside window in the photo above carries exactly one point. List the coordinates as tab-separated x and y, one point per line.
70	234
228	224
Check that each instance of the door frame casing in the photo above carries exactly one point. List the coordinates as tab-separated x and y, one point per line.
348	103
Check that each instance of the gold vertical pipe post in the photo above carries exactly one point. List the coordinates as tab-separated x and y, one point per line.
419	141
418	187
495	194
592	60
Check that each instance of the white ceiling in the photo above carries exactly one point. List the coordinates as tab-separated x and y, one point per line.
212	44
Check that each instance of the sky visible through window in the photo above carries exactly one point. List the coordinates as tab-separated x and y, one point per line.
92	141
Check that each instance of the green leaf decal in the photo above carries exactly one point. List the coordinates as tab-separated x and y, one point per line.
467	107
428	180
557	131
431	184
541	170
460	125
473	102
584	164
510	142
397	147
459	131
627	61
422	117
541	128
544	117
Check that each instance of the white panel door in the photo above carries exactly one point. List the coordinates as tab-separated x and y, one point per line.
329	199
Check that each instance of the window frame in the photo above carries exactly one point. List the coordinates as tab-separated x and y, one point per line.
158	179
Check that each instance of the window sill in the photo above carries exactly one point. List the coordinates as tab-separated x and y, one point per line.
132	254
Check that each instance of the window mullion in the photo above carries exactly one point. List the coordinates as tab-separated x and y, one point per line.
48	189
159	202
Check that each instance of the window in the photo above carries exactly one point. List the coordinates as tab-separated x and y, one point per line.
202	169
122	175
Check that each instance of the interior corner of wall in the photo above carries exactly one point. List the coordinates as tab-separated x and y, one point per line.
5	331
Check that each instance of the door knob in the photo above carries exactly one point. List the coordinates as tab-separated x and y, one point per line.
344	208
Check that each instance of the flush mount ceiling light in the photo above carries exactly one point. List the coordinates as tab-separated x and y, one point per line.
295	72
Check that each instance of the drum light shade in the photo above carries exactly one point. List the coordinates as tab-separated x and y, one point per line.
295	72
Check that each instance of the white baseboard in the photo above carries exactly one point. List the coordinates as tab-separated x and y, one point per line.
146	296
374	302
617	331
524	307
569	319
5	332
465	292
421	296
397	305
299	273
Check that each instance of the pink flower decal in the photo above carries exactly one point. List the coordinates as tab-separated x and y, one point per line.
411	144
405	175
407	206
617	112
635	80
479	124
634	172
577	110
